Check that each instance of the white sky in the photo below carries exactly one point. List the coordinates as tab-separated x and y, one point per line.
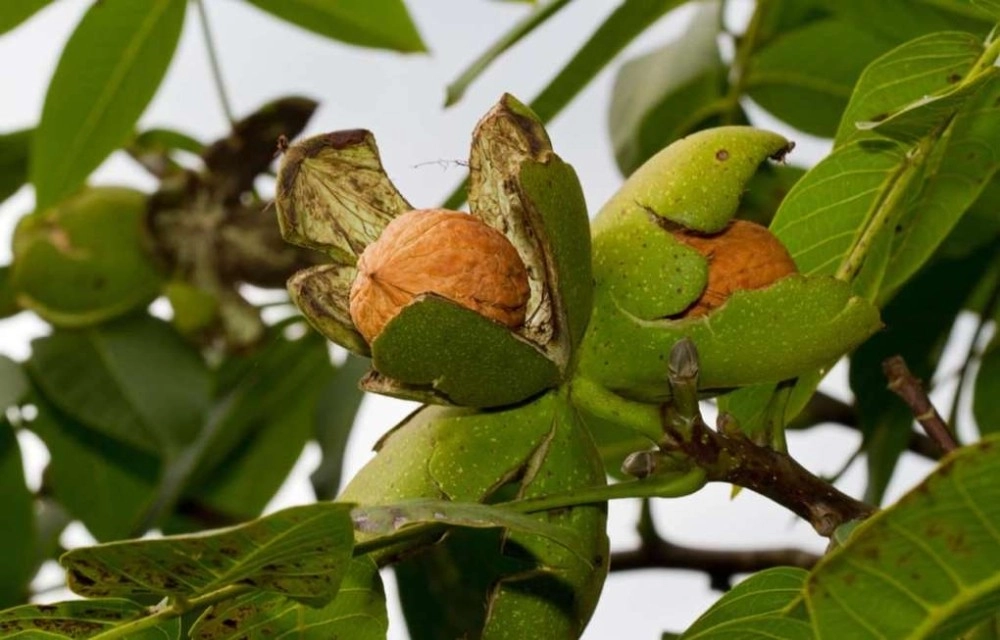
399	98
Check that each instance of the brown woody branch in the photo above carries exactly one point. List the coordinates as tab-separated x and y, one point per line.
905	385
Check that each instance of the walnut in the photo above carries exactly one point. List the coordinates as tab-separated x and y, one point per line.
452	254
744	255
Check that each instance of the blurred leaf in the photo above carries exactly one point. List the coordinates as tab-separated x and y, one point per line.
917	331
763	595
84	619
897	21
986	398
13	14
383	24
13	383
17	536
108	72
357	612
542	12
621	27
766	191
264	422
782	16
14	150
979	226
805	76
134	380
335	412
664	95
154	148
918	569
102	482
300	552
923	67
992	7
8	301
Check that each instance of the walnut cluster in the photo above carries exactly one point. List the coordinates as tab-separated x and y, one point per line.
448	253
744	255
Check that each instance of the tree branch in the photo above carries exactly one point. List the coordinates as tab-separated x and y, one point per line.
727	455
721	565
905	385
823	408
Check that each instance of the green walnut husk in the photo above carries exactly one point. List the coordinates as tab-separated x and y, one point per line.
645	279
490	583
333	195
86	259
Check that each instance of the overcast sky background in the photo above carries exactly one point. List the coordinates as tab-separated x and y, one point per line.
399	98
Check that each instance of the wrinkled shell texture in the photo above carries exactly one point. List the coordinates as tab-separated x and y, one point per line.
451	254
744	255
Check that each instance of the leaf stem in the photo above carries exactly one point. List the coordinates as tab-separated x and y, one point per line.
745	46
161	613
213	61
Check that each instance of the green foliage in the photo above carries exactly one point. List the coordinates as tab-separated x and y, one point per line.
106	75
493	515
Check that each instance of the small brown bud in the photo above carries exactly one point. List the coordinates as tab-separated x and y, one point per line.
744	255
448	253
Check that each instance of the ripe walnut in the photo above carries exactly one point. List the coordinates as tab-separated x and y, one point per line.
744	255
448	253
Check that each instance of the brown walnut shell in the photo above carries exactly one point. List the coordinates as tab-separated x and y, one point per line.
448	253
744	255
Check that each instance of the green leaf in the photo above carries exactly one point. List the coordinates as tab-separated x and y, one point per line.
13	383
821	217
475	362
383	24
335	412
961	173
154	150
805	76
14	150
100	481
922	568
13	14
17	536
538	16
108	72
134	380
924	67
357	612
765	594
300	552
668	93
986	398
8	301
84	619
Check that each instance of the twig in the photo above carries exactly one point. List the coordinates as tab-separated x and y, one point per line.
213	61
727	455
906	386
824	408
721	565
985	317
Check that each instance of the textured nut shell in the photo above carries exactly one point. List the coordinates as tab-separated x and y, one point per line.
744	255
451	254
